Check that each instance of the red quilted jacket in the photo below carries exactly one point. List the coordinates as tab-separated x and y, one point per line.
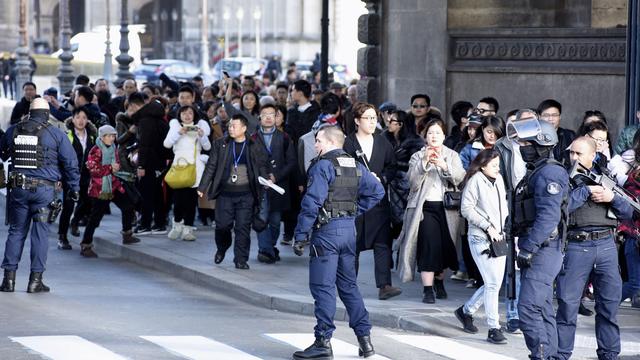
97	171
632	227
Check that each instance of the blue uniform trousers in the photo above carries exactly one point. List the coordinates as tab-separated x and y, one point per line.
334	266
24	206
581	258
535	303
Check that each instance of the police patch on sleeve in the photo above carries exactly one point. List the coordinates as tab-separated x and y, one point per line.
347	162
553	188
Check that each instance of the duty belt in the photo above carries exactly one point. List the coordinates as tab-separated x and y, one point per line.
18	180
592	235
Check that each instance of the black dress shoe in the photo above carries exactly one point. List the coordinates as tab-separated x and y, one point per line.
266	258
277	252
366	348
582	310
319	350
218	257
63	242
75	231
35	283
9	281
242	265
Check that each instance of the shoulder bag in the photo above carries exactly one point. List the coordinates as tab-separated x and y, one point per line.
182	174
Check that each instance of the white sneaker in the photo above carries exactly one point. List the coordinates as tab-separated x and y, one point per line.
176	230
187	233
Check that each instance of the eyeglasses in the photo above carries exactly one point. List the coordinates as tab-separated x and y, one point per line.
482	111
268	116
597	140
419	106
369	118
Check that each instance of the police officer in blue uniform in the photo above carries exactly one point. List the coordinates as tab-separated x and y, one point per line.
41	155
338	190
593	217
537	215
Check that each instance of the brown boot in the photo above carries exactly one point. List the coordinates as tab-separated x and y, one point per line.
128	238
87	251
388	291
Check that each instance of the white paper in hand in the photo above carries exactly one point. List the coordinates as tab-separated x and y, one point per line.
269	183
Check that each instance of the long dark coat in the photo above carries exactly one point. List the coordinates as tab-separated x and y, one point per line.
375	225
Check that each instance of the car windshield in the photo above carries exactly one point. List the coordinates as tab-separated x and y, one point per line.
231	66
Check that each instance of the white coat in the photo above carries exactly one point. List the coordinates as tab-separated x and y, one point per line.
186	144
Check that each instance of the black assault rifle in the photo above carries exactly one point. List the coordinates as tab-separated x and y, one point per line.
581	175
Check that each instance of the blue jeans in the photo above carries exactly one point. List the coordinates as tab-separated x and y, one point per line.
512	305
632	254
268	237
492	271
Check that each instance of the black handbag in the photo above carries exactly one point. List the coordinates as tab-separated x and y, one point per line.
452	199
498	248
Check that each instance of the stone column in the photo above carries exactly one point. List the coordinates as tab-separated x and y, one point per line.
633	63
65	70
369	56
22	53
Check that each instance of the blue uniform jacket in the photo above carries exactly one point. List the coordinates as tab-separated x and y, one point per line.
61	153
549	186
321	175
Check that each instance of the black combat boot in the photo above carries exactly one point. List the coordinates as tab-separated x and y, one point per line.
319	350
9	281
366	348
35	283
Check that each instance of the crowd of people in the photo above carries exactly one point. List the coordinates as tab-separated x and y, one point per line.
449	192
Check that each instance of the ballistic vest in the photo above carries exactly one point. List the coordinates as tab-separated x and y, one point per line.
28	151
342	199
524	210
592	214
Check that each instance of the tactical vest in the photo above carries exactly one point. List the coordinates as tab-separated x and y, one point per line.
592	214
28	151
342	199
524	210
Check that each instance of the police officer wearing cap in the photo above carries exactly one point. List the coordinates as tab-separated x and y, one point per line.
338	190
537	215
41	155
594	212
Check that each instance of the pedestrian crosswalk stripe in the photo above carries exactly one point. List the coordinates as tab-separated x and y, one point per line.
198	348
448	348
66	348
590	342
341	350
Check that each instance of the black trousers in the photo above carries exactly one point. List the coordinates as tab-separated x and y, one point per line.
383	262
82	209
153	206
290	217
234	212
99	208
185	202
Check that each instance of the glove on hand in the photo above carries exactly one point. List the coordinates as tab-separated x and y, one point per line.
524	259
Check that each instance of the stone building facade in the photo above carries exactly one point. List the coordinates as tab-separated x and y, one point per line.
518	51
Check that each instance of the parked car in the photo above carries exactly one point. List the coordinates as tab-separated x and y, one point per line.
150	70
238	66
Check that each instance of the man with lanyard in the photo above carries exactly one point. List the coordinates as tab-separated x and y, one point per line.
231	177
594	212
41	155
338	190
537	211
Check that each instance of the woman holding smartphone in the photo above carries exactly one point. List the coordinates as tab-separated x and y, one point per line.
187	138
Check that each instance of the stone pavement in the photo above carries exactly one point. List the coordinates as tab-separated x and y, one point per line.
284	286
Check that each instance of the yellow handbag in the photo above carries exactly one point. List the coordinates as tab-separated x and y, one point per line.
182	174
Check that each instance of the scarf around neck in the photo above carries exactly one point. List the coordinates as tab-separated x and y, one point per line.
108	158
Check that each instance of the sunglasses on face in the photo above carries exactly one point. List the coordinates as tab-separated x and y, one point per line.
419	106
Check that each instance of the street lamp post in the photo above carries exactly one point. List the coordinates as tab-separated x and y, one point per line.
257	15
226	16
240	16
324	48
124	59
633	62
108	67
204	39
65	70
